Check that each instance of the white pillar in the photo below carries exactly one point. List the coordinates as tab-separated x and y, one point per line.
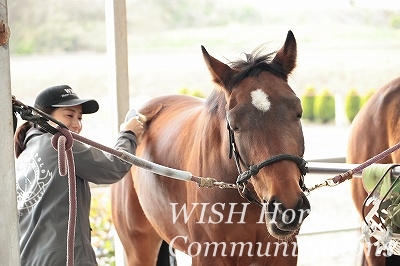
340	113
9	248
117	52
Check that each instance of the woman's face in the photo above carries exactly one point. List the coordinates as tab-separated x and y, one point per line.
70	116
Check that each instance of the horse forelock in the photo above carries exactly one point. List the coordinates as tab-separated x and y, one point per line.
254	64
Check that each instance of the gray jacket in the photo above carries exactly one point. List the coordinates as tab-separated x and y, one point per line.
42	196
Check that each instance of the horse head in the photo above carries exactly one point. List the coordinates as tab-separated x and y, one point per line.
263	117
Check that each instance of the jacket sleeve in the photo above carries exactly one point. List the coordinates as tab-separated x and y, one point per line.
100	167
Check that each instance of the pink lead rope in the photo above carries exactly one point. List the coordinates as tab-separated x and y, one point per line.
63	142
348	175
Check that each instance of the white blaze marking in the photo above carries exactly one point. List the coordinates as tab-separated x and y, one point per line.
260	100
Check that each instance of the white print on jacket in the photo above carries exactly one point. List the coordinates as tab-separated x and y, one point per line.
31	188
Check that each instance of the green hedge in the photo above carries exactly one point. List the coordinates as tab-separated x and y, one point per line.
366	97
320	107
324	106
352	104
195	92
307	102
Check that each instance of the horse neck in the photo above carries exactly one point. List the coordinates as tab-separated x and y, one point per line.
216	135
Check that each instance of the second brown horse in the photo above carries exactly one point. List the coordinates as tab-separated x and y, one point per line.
375	129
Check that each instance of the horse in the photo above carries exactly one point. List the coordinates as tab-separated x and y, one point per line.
252	115
375	128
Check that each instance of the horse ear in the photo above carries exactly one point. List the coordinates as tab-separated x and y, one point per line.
221	73
287	55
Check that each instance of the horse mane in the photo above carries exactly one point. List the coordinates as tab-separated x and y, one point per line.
253	64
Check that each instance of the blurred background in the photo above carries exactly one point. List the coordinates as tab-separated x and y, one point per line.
342	45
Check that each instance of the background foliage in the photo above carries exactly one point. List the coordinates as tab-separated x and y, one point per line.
78	25
102	227
352	104
65	41
307	102
324	106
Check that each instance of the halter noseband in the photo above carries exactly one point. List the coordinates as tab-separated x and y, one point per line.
244	176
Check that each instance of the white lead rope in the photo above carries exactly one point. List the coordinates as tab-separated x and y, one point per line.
156	168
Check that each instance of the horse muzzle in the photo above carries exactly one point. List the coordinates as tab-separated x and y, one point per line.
283	222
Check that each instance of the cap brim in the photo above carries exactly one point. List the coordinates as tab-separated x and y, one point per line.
88	106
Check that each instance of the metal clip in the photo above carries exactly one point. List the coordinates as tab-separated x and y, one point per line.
327	183
331	183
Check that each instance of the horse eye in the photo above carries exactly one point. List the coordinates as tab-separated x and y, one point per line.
232	125
236	129
299	115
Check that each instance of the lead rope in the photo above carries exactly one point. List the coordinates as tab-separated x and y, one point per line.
62	142
347	175
336	180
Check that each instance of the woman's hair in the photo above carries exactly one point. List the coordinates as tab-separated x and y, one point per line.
20	133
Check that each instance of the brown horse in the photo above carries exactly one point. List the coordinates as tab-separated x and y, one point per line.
254	115
375	128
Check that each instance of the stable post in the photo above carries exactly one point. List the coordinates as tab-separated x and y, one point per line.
9	248
117	59
118	89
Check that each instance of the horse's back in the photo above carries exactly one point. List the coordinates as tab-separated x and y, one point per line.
172	121
171	105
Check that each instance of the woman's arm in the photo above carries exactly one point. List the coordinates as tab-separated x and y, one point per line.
100	167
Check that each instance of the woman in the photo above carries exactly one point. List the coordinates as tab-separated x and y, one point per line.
42	193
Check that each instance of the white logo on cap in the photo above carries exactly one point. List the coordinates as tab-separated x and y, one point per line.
69	91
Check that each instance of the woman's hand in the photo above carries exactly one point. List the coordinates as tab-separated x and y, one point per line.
134	125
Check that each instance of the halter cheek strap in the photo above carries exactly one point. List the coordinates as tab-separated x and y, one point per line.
244	176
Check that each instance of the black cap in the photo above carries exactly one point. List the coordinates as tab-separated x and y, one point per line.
64	96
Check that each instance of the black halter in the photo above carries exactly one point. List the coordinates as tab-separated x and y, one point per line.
244	176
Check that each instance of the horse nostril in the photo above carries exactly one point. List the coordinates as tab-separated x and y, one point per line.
273	206
303	207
